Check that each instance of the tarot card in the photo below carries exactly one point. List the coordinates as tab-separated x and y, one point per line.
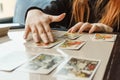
43	63
48	45
71	35
104	37
78	69
57	34
12	60
72	44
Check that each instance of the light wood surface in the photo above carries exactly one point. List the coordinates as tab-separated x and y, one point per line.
15	42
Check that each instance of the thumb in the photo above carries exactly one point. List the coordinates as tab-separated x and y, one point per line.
57	18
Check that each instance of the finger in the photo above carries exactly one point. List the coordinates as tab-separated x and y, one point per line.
57	18
93	28
75	28
48	32
70	30
85	27
27	31
42	33
35	34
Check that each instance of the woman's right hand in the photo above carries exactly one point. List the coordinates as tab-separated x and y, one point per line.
38	22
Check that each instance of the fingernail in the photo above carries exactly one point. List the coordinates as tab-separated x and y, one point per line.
52	40
24	36
45	41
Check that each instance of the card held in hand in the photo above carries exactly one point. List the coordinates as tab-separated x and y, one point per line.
78	69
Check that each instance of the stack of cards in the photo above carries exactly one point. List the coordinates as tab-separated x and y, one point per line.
43	63
104	37
78	69
71	44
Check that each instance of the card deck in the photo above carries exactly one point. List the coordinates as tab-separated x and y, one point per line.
71	35
43	63
71	44
78	69
104	37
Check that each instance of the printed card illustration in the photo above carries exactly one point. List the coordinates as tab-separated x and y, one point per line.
72	44
78	69
57	33
71	35
48	45
104	37
43	63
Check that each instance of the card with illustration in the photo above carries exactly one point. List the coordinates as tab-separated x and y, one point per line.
104	37
78	69
72	44
57	33
71	35
48	45
43	63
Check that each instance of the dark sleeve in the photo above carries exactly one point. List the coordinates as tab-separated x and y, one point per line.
54	7
57	7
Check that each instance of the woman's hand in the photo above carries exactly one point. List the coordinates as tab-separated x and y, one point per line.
95	27
38	22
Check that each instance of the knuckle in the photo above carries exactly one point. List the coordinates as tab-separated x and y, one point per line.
48	31
44	21
41	32
79	23
86	23
34	30
38	22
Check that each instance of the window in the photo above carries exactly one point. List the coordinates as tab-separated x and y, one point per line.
7	8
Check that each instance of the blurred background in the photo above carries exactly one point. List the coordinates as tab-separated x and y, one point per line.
7	8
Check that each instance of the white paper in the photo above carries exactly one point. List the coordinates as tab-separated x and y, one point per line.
12	60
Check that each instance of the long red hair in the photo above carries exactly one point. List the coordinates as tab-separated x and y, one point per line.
110	16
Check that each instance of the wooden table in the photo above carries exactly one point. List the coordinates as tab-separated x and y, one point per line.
15	42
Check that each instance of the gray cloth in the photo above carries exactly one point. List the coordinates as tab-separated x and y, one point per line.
23	5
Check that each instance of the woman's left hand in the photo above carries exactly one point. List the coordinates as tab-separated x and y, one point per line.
94	27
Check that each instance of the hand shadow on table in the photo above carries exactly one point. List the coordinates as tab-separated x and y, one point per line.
4	39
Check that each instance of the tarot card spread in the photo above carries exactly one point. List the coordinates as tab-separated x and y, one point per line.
72	44
104	37
78	69
43	63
